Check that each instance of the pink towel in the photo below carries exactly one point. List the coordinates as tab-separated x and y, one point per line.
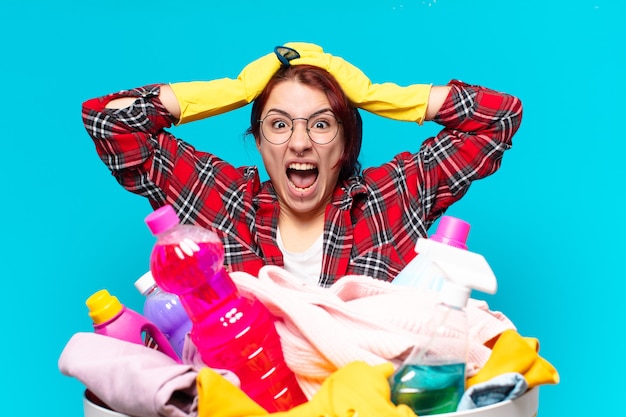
357	318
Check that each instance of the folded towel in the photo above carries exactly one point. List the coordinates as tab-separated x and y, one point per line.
131	378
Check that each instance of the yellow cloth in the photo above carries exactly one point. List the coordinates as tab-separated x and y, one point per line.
218	397
514	353
201	99
356	390
387	99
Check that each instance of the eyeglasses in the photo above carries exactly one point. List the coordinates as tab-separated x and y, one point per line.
322	128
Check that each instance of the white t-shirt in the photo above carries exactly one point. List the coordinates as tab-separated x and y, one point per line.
305	265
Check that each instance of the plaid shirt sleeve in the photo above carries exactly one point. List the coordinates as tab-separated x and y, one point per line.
479	125
127	138
148	160
408	194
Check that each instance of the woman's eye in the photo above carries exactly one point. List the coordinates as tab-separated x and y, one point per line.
320	124
279	124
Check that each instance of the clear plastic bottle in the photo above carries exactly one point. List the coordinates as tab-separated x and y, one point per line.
230	331
112	318
431	380
421	272
164	310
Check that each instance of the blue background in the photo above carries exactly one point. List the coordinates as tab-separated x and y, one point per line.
550	222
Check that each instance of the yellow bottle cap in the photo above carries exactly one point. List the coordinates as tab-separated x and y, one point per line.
103	306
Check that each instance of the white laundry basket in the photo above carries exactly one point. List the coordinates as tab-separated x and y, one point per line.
91	409
525	406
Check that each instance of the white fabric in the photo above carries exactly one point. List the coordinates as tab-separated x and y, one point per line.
307	265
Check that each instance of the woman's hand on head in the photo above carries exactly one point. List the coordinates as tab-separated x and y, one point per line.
386	99
354	82
195	100
257	74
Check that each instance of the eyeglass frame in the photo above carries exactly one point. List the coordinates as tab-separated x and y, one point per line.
293	125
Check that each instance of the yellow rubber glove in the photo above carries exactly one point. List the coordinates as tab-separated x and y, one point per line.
387	99
357	389
217	397
201	99
514	353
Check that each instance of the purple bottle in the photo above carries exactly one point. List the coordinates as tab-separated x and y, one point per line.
164	310
230	331
112	318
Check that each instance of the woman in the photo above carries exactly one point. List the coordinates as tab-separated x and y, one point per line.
318	215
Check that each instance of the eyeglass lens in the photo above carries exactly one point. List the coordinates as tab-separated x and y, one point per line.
278	128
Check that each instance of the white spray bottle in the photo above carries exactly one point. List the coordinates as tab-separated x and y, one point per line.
421	272
432	378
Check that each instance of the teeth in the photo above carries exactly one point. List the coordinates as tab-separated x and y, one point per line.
301	167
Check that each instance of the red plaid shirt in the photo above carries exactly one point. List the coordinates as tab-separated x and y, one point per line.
373	221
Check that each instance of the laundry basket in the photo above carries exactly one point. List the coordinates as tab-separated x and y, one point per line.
525	406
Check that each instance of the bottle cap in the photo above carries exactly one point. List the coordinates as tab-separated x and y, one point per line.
145	283
103	306
454	295
452	232
162	219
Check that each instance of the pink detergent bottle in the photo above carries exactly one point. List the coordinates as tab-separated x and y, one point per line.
230	331
112	318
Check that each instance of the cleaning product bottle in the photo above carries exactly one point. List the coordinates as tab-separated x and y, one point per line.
229	330
112	318
421	272
164	310
432	378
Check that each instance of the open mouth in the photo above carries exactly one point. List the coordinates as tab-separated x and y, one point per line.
302	176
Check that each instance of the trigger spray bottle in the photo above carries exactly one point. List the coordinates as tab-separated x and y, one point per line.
431	380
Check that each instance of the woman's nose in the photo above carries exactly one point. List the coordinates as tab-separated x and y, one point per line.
300	135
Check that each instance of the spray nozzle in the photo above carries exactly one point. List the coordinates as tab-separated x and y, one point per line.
463	270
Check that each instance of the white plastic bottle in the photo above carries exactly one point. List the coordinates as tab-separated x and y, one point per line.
421	272
166	311
432	378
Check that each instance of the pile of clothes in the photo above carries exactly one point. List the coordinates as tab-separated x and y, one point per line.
343	343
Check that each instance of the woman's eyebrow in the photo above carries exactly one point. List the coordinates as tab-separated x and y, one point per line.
284	113
274	110
325	110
